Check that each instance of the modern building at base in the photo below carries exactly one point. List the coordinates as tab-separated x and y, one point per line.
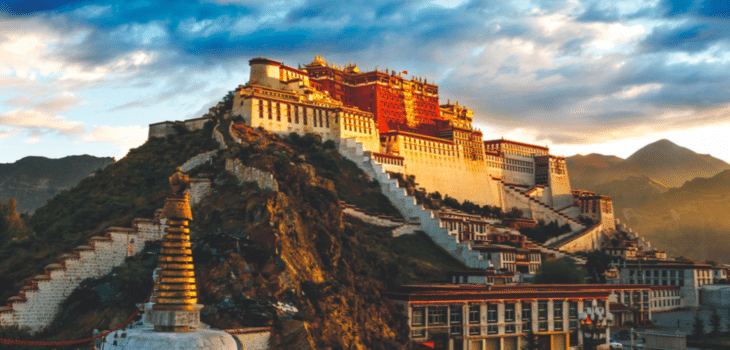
500	316
463	316
689	277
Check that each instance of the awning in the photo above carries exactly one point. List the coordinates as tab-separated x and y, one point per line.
618	307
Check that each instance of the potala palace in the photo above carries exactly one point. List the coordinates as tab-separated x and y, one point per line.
399	124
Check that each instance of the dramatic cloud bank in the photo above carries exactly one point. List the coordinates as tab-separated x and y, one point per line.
574	75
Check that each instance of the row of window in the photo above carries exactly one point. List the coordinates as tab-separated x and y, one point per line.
665	303
319	118
438	315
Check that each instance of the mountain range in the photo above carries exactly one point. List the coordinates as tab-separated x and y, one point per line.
672	196
33	180
662	161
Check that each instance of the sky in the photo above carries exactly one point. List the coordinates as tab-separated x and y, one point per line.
88	77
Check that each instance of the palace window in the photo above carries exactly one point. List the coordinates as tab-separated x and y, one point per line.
558	310
509	312
476	330
542	310
417	316
474	314
510	328
491	312
493	329
573	310
455	315
436	315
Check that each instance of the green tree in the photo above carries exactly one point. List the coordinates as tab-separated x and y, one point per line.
698	327
451	202
596	265
514	213
228	99
560	271
715	323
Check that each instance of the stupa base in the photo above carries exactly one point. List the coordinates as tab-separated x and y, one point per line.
174	320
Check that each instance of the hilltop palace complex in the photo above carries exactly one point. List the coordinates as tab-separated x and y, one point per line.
401	125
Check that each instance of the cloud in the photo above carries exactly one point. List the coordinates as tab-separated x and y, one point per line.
124	138
698	8
558	71
38	123
22	7
39	101
689	37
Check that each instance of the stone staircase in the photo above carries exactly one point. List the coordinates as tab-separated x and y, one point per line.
416	214
573	242
541	208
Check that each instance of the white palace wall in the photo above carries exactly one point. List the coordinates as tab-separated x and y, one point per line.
442	166
284	113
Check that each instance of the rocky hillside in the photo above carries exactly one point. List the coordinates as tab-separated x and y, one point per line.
286	259
33	180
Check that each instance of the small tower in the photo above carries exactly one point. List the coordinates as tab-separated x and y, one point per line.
176	308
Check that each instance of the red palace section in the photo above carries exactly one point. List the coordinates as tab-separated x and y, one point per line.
396	102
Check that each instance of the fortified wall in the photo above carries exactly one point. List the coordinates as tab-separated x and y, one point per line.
37	304
162	129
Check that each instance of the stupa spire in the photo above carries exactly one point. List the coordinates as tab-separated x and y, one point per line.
174	292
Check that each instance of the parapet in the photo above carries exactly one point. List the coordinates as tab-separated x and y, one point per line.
162	129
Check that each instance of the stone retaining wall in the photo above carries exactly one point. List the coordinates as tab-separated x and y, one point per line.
248	174
39	303
252	338
200	159
368	218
